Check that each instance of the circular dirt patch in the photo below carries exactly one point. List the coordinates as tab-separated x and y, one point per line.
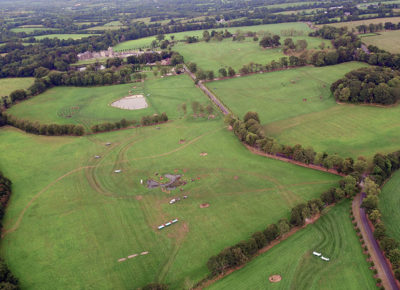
204	205
275	278
135	102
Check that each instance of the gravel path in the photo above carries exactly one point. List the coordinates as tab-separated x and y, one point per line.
213	98
380	262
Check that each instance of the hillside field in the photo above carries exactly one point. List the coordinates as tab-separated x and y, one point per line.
78	214
349	130
214	55
353	24
386	40
333	235
64	36
389	203
272	28
91	105
8	85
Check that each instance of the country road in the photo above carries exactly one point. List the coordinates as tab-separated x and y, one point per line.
213	98
377	256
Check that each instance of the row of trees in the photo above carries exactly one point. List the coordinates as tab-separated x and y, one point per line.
252	133
241	253
383	167
368	85
7	279
43	129
371	28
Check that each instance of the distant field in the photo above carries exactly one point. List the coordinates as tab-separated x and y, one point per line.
353	24
9	85
389	204
64	36
387	40
30	29
91	217
113	25
306	11
273	28
333	235
91	105
349	130
216	54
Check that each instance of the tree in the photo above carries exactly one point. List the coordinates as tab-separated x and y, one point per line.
388	244
184	108
251	115
206	36
210	75
222	72
370	203
375	216
284	226
192	67
231	72
301	45
271	232
370	187
195	107
210	109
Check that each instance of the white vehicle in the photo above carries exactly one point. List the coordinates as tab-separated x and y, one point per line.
108	144
97	156
172	201
325	259
317	254
118	171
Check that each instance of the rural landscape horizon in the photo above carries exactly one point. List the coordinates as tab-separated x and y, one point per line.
200	144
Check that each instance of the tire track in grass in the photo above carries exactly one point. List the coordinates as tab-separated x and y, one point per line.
21	215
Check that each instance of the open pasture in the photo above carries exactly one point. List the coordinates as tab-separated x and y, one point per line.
30	29
389	203
333	235
92	105
216	54
113	25
353	24
8	85
78	214
296	107
386	40
272	28
64	36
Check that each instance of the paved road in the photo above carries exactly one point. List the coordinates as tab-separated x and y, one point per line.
381	264
213	98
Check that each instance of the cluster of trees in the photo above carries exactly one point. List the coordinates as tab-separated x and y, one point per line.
383	167
149	57
7	279
244	251
199	109
270	41
289	46
154	119
216	35
252	133
43	129
368	85
371	28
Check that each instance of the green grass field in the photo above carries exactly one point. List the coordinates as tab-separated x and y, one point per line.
216	54
91	105
77	214
64	36
113	25
8	85
273	28
353	24
333	236
349	130
387	40
30	29
389	202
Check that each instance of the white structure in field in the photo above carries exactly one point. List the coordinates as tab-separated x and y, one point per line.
317	254
325	259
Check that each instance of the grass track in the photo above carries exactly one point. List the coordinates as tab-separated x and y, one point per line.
332	235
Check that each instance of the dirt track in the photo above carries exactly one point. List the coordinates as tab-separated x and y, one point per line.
384	271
